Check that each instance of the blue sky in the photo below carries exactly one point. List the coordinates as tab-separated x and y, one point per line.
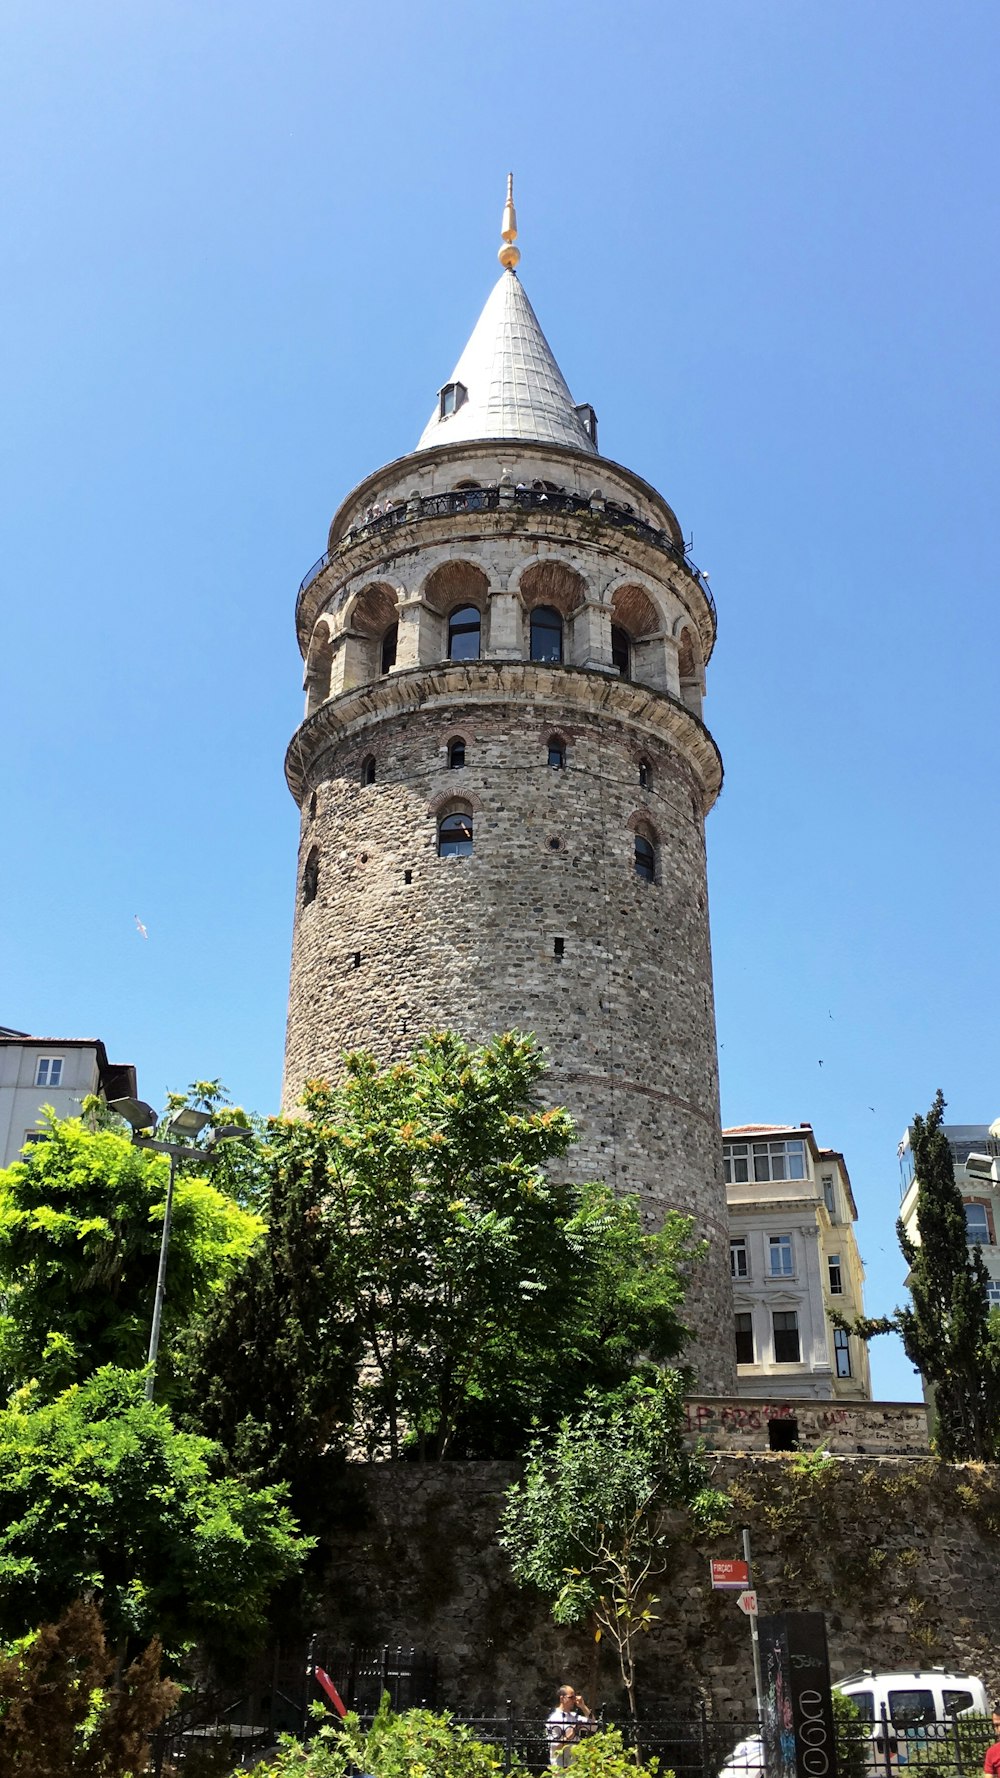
244	244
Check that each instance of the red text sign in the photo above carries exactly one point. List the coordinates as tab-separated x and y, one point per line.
730	1574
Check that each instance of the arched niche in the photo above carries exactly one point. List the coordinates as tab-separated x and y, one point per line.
553	586
451	586
369	619
319	665
637	649
690	669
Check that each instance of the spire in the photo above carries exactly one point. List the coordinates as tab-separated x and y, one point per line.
509	255
506	383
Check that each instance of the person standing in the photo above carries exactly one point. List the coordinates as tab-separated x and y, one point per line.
571	1718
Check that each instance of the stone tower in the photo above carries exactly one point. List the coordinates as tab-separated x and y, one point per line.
503	778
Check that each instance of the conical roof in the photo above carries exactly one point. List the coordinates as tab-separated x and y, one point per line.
514	387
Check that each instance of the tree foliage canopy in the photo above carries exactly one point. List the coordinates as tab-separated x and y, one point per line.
101	1495
591	1524
946	1329
465	1277
80	1224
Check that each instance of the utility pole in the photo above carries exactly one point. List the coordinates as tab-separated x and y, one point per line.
754	1638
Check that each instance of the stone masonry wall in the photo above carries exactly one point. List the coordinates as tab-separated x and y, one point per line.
866	1428
902	1555
398	940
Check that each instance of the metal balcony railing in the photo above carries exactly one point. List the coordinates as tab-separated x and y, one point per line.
466	500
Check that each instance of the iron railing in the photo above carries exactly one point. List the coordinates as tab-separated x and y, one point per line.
700	1744
463	500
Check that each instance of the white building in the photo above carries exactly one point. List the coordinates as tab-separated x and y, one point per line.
975	1151
793	1257
56	1071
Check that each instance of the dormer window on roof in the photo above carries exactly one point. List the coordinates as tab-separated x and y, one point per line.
452	397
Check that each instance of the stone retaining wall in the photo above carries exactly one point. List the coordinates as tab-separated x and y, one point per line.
901	1554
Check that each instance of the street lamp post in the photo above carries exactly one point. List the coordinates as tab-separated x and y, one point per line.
189	1123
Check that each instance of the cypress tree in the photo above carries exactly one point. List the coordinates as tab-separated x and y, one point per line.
946	1329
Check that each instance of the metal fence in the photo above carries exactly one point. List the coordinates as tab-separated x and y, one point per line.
700	1744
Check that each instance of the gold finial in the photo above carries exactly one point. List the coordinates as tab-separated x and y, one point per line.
509	254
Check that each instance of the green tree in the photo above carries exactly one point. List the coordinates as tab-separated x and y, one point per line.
80	1224
591	1524
471	1279
948	1330
269	1369
239	1168
64	1709
101	1495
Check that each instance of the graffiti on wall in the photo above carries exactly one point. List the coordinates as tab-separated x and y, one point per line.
705	1417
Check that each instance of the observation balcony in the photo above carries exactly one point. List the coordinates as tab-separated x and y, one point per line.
420	508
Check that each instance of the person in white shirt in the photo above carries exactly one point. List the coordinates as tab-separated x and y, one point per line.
571	1718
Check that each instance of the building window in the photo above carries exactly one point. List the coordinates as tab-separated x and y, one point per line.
836	1275
762	1161
456	754
451	398
388	656
310	877
368	770
739	1264
842	1351
977	1225
829	1194
645	858
780	1249
786	1336
621	650
645	775
455	836
48	1071
464	629
546	634
993	1294
33	1136
744	1338
557	753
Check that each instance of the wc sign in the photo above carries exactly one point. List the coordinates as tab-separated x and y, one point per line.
730	1576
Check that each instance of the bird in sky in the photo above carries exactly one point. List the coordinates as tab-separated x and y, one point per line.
140	928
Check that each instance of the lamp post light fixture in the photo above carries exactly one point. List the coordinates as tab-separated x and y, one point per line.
185	1123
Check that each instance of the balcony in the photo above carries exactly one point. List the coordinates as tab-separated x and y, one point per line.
471	500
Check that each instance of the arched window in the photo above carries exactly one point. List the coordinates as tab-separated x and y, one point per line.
455	836
388	656
557	752
645	774
546	634
645	858
456	753
368	770
310	877
464	626
313	804
621	650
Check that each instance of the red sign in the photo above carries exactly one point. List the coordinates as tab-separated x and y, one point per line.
730	1574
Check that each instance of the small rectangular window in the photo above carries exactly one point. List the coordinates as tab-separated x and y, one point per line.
49	1071
735	1156
842	1351
739	1262
836	1276
829	1194
977	1225
786	1337
780	1251
558	946
744	1338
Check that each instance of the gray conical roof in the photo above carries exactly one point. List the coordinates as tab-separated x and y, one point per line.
515	388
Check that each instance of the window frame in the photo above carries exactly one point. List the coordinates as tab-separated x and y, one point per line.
786	1315
557	747
535	617
387	649
739	1248
450	398
48	1063
742	1333
783	1244
644	849
835	1274
457	847
456	754
982	1210
621	650
457	630
758	1156
842	1352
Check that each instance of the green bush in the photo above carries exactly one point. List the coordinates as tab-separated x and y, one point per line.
419	1744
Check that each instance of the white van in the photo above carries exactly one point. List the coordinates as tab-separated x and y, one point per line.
909	1710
